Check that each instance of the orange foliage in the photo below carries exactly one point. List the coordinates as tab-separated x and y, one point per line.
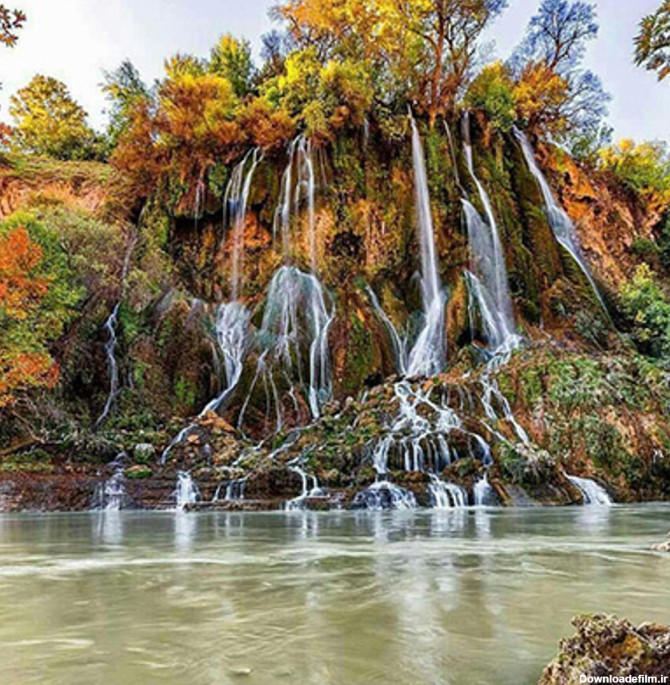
24	371
20	289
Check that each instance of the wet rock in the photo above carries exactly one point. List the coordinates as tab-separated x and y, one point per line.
608	646
144	452
663	546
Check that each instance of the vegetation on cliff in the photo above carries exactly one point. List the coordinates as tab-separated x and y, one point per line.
113	274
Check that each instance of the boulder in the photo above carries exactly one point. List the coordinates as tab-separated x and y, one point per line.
609	646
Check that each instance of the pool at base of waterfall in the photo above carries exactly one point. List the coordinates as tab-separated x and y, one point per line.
454	596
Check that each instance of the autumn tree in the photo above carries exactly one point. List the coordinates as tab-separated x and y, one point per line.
11	20
231	59
47	121
652	43
23	364
423	50
125	91
554	46
644	167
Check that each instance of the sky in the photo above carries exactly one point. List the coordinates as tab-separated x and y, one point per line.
76	40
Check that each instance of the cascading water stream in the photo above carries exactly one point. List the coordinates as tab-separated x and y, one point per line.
110	345
235	212
487	279
310	488
186	491
399	345
482	493
111	495
232	334
446	495
592	493
427	355
561	224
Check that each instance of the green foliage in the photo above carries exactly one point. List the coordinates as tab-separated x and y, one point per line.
47	121
648	309
124	90
231	59
645	167
493	93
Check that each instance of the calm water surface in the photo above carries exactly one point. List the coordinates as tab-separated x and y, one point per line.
461	597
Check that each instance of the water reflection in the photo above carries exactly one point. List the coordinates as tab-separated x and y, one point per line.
458	596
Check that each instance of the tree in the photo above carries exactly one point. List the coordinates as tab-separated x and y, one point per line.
645	168
420	50
47	121
188	128
22	289
125	90
10	22
555	45
652	44
231	58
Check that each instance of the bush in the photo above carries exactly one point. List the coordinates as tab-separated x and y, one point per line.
648	309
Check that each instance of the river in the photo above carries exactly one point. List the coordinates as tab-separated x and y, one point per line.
343	598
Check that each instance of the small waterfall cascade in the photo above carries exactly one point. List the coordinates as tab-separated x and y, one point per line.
111	495
112	364
232	335
445	495
487	278
310	488
593	493
110	345
427	355
235	489
304	191
482	492
298	187
293	338
384	495
418	440
399	344
235	212
561	224
282	218
186	491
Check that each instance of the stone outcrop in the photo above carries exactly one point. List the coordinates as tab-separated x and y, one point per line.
609	646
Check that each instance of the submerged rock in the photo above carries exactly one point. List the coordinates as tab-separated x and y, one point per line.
609	646
663	546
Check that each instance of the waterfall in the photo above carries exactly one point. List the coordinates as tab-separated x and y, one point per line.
399	345
112	365
310	488
235	211
487	279
593	493
282	218
446	495
111	495
482	492
561	224
295	328
427	355
384	495
110	345
186	491
301	165
232	333
305	188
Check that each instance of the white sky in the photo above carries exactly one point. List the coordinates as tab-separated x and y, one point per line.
75	40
